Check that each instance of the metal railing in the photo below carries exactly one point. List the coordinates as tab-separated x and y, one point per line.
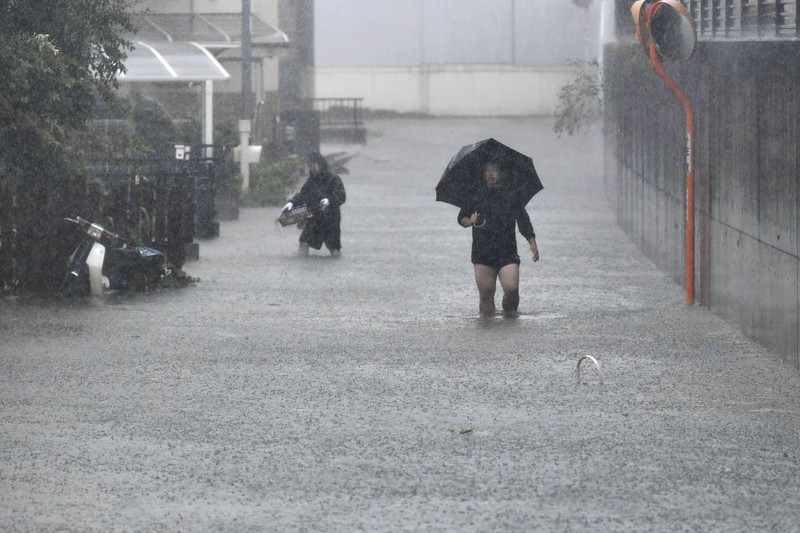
338	111
340	119
745	19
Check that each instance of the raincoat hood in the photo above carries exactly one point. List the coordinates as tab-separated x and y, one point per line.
316	157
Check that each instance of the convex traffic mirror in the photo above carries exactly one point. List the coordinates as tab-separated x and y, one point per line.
668	25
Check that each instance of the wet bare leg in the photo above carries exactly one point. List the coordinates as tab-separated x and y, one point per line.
302	249
486	280
509	280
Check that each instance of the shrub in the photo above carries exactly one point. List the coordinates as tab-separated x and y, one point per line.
579	101
272	180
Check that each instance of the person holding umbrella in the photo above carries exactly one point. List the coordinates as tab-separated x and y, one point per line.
494	242
492	184
323	192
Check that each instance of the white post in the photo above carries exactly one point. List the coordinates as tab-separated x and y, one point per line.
208	116
244	153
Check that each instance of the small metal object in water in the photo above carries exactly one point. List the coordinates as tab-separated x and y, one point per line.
593	360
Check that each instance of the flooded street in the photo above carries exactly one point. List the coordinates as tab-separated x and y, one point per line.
365	393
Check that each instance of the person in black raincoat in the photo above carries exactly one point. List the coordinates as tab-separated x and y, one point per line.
324	192
493	218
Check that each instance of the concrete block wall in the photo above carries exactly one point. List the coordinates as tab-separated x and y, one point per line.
747	117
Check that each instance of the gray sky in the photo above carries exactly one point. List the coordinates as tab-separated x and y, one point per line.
391	33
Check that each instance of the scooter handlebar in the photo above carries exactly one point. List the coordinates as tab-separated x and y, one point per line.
96	231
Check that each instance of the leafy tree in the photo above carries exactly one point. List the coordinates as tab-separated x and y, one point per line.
57	57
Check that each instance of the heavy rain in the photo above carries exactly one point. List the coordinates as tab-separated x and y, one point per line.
203	362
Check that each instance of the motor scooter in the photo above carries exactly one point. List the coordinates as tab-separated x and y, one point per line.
105	262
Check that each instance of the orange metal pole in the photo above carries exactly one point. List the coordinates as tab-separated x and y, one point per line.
687	107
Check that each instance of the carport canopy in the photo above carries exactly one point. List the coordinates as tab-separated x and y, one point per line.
185	46
171	61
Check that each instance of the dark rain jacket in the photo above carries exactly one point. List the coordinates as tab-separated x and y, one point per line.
324	227
495	243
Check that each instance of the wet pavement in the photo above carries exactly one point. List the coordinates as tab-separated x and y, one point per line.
365	394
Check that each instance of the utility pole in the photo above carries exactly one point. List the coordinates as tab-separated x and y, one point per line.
246	96
247	63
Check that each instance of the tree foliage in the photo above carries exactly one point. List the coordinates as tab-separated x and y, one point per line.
57	57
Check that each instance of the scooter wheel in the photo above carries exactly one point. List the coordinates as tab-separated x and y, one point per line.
73	285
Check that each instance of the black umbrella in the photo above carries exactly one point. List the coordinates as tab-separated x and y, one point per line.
462	181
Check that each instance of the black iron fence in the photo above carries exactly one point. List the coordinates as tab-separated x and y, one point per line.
323	119
744	19
164	204
167	203
8	237
340	118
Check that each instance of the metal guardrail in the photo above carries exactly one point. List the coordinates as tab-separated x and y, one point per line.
745	19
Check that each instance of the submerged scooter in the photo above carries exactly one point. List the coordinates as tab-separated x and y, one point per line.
105	262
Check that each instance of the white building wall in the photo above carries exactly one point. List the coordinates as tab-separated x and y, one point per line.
449	90
403	33
455	57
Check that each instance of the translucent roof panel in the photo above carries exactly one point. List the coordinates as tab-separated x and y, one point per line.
212	30
171	61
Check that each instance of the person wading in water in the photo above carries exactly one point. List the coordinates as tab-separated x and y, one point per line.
324	192
493	218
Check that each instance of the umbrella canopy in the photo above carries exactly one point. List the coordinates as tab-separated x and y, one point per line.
462	181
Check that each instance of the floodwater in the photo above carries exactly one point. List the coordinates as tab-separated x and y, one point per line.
365	393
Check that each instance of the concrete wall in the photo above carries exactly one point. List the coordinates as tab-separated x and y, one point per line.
747	118
449	90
